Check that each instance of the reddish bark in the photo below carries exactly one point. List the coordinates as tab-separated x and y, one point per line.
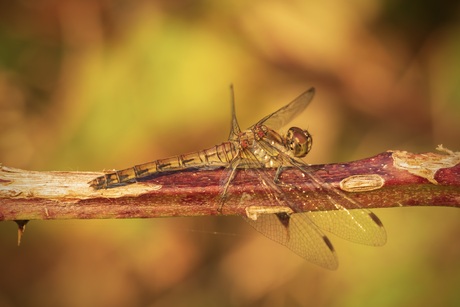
390	179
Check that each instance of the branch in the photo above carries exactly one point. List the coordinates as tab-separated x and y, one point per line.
390	179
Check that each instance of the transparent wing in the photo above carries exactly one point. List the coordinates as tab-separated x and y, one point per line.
341	215
235	127
295	231
287	113
298	233
302	232
345	218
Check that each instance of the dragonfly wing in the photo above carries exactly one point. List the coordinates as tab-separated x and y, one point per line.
347	219
295	231
235	127
339	214
299	234
287	113
344	217
356	225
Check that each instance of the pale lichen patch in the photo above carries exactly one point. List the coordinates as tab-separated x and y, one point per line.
362	183
253	212
426	165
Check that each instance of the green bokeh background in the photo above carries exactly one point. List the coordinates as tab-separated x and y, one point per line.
93	85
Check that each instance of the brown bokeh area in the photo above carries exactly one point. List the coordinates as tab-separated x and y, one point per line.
93	85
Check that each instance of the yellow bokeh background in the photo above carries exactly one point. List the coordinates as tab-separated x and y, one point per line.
94	85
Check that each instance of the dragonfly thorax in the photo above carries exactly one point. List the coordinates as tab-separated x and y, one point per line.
298	142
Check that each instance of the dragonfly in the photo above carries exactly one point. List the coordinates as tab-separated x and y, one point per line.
262	148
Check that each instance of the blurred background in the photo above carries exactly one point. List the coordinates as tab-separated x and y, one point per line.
93	85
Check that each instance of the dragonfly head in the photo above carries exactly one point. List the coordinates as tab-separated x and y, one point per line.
298	142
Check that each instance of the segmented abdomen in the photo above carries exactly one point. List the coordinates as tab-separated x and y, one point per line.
217	156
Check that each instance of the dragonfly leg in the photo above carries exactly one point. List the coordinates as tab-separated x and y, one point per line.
277	174
223	194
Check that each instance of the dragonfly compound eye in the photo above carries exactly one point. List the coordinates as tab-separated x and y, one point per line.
298	141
